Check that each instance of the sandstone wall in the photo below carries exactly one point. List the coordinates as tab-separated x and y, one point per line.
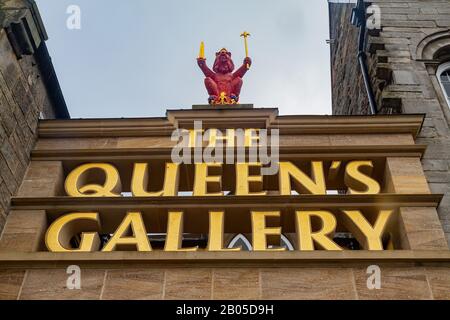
205	283
26	94
348	92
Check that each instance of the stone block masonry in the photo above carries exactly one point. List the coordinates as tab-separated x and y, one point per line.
423	283
27	93
403	57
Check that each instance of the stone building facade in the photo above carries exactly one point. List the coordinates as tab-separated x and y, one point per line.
417	268
413	255
408	57
29	90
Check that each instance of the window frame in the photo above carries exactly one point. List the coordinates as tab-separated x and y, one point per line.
441	69
236	238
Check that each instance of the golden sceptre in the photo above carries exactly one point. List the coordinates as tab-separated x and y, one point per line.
245	34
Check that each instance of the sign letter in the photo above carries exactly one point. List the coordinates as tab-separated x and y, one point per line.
303	183
305	235
59	234
369	237
245	182
358	180
174	238
139	181
203	183
261	233
131	233
216	224
77	178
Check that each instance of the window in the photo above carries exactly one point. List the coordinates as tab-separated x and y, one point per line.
241	241
443	75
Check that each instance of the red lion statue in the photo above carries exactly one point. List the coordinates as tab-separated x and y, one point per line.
224	86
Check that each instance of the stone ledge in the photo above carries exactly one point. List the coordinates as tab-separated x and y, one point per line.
230	118
272	201
286	152
222	107
222	259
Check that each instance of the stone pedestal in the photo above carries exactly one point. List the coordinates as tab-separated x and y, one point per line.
221	106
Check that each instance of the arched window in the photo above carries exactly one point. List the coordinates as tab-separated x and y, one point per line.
443	75
241	241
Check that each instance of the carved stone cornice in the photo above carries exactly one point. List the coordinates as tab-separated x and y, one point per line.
262	118
23	24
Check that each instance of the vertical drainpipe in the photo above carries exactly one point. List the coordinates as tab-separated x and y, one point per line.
359	20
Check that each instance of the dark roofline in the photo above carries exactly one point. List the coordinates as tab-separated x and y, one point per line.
37	15
51	82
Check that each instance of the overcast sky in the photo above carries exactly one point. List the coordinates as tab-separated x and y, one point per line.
137	58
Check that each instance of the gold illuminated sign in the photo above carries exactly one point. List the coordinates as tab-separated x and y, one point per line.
311	227
290	178
314	229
